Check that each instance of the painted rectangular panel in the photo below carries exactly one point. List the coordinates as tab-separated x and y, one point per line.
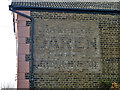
66	45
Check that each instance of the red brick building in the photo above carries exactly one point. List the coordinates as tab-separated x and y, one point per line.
22	32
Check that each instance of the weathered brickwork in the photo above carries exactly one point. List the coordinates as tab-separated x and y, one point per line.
74	50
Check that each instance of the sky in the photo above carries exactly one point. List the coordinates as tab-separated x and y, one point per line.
8	64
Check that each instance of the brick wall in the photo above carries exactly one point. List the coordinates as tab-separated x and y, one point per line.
74	50
22	32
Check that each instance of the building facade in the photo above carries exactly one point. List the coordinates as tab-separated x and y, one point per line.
67	44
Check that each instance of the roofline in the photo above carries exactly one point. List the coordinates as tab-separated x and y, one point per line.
79	10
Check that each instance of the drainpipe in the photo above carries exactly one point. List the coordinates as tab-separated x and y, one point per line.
32	33
14	22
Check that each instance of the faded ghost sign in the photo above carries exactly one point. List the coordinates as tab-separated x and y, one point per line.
66	45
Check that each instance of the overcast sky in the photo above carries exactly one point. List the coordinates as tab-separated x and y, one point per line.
7	46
